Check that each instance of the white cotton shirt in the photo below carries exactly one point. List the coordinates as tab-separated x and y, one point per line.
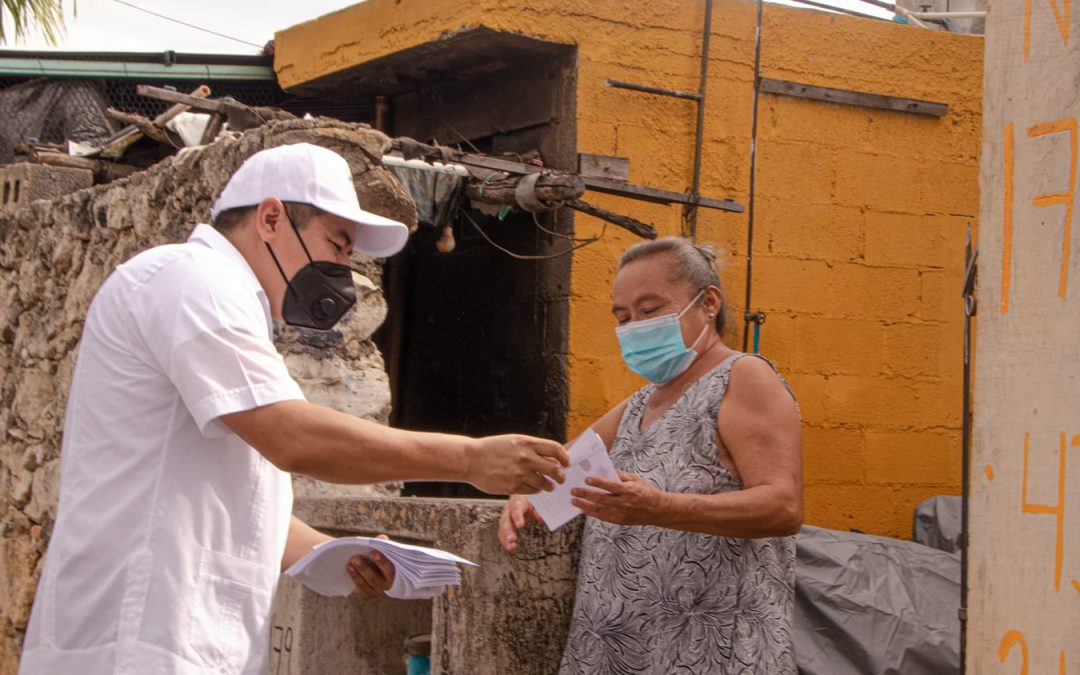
170	530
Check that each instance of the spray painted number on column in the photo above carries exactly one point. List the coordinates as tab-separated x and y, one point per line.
1057	510
1061	18
1067	199
1014	638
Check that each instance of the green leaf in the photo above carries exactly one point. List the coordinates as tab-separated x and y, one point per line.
44	16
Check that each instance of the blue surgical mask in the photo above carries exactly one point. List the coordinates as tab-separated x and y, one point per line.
654	348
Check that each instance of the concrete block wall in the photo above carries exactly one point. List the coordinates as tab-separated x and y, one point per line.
860	214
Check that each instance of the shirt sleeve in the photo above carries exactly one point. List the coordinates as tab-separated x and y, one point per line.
208	335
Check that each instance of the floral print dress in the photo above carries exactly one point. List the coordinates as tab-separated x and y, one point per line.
662	601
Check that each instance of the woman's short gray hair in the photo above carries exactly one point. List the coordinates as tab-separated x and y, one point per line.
691	264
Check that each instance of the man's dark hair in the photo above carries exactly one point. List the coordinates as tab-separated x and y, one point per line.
299	214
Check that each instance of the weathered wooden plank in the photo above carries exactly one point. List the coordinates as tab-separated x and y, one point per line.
603	166
856	98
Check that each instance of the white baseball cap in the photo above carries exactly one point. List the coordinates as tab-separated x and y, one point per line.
310	174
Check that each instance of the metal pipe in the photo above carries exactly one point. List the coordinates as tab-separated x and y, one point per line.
695	185
948	15
435	167
830	8
747	316
971	257
131	70
883	5
651	90
914	20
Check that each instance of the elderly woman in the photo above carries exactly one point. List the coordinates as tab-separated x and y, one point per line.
687	563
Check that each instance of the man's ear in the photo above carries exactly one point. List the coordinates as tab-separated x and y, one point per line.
270	219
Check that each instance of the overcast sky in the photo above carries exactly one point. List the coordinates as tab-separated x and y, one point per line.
114	25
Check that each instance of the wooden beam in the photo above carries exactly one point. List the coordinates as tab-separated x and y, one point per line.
856	98
197	102
633	224
603	166
605	185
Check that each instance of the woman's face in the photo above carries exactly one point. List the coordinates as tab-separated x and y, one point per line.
643	290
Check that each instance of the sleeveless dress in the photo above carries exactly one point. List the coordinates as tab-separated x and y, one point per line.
662	601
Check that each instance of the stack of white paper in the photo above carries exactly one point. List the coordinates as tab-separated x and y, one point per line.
419	572
588	457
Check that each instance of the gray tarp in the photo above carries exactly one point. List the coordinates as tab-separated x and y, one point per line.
874	605
50	111
938	523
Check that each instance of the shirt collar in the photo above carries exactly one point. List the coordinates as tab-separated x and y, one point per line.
208	236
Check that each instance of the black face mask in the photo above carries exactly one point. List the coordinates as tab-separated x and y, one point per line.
319	294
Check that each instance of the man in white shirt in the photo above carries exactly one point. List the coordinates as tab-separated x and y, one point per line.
183	425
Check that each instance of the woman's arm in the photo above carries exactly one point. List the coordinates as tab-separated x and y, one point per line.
761	431
518	510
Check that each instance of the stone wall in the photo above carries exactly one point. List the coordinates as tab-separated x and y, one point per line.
53	257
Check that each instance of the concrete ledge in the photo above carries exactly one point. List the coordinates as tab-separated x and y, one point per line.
510	615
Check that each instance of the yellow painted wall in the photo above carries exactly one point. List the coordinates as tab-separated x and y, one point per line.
860	214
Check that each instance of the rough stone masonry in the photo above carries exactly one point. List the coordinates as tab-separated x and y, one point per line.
53	257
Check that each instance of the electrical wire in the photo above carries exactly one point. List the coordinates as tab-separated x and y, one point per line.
536	221
189	25
518	256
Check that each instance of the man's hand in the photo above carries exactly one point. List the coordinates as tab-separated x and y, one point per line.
513	518
515	464
371	574
631	501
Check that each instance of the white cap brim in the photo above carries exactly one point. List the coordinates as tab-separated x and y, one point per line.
376	235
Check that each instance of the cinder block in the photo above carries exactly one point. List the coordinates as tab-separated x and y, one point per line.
927	458
23	183
510	615
839	346
833	456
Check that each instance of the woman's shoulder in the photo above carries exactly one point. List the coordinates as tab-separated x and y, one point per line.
756	378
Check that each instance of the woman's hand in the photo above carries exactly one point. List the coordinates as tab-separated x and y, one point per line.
513	518
371	574
631	501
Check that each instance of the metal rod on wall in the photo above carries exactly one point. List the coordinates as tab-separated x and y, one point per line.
971	258
749	316
695	186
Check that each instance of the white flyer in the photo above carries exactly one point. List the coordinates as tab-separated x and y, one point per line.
588	457
420	572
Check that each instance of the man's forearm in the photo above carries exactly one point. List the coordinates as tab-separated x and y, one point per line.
304	438
301	539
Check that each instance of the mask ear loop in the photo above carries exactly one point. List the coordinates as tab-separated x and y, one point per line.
288	284
302	245
704	328
692	303
281	270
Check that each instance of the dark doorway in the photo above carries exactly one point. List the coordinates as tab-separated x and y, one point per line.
475	341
